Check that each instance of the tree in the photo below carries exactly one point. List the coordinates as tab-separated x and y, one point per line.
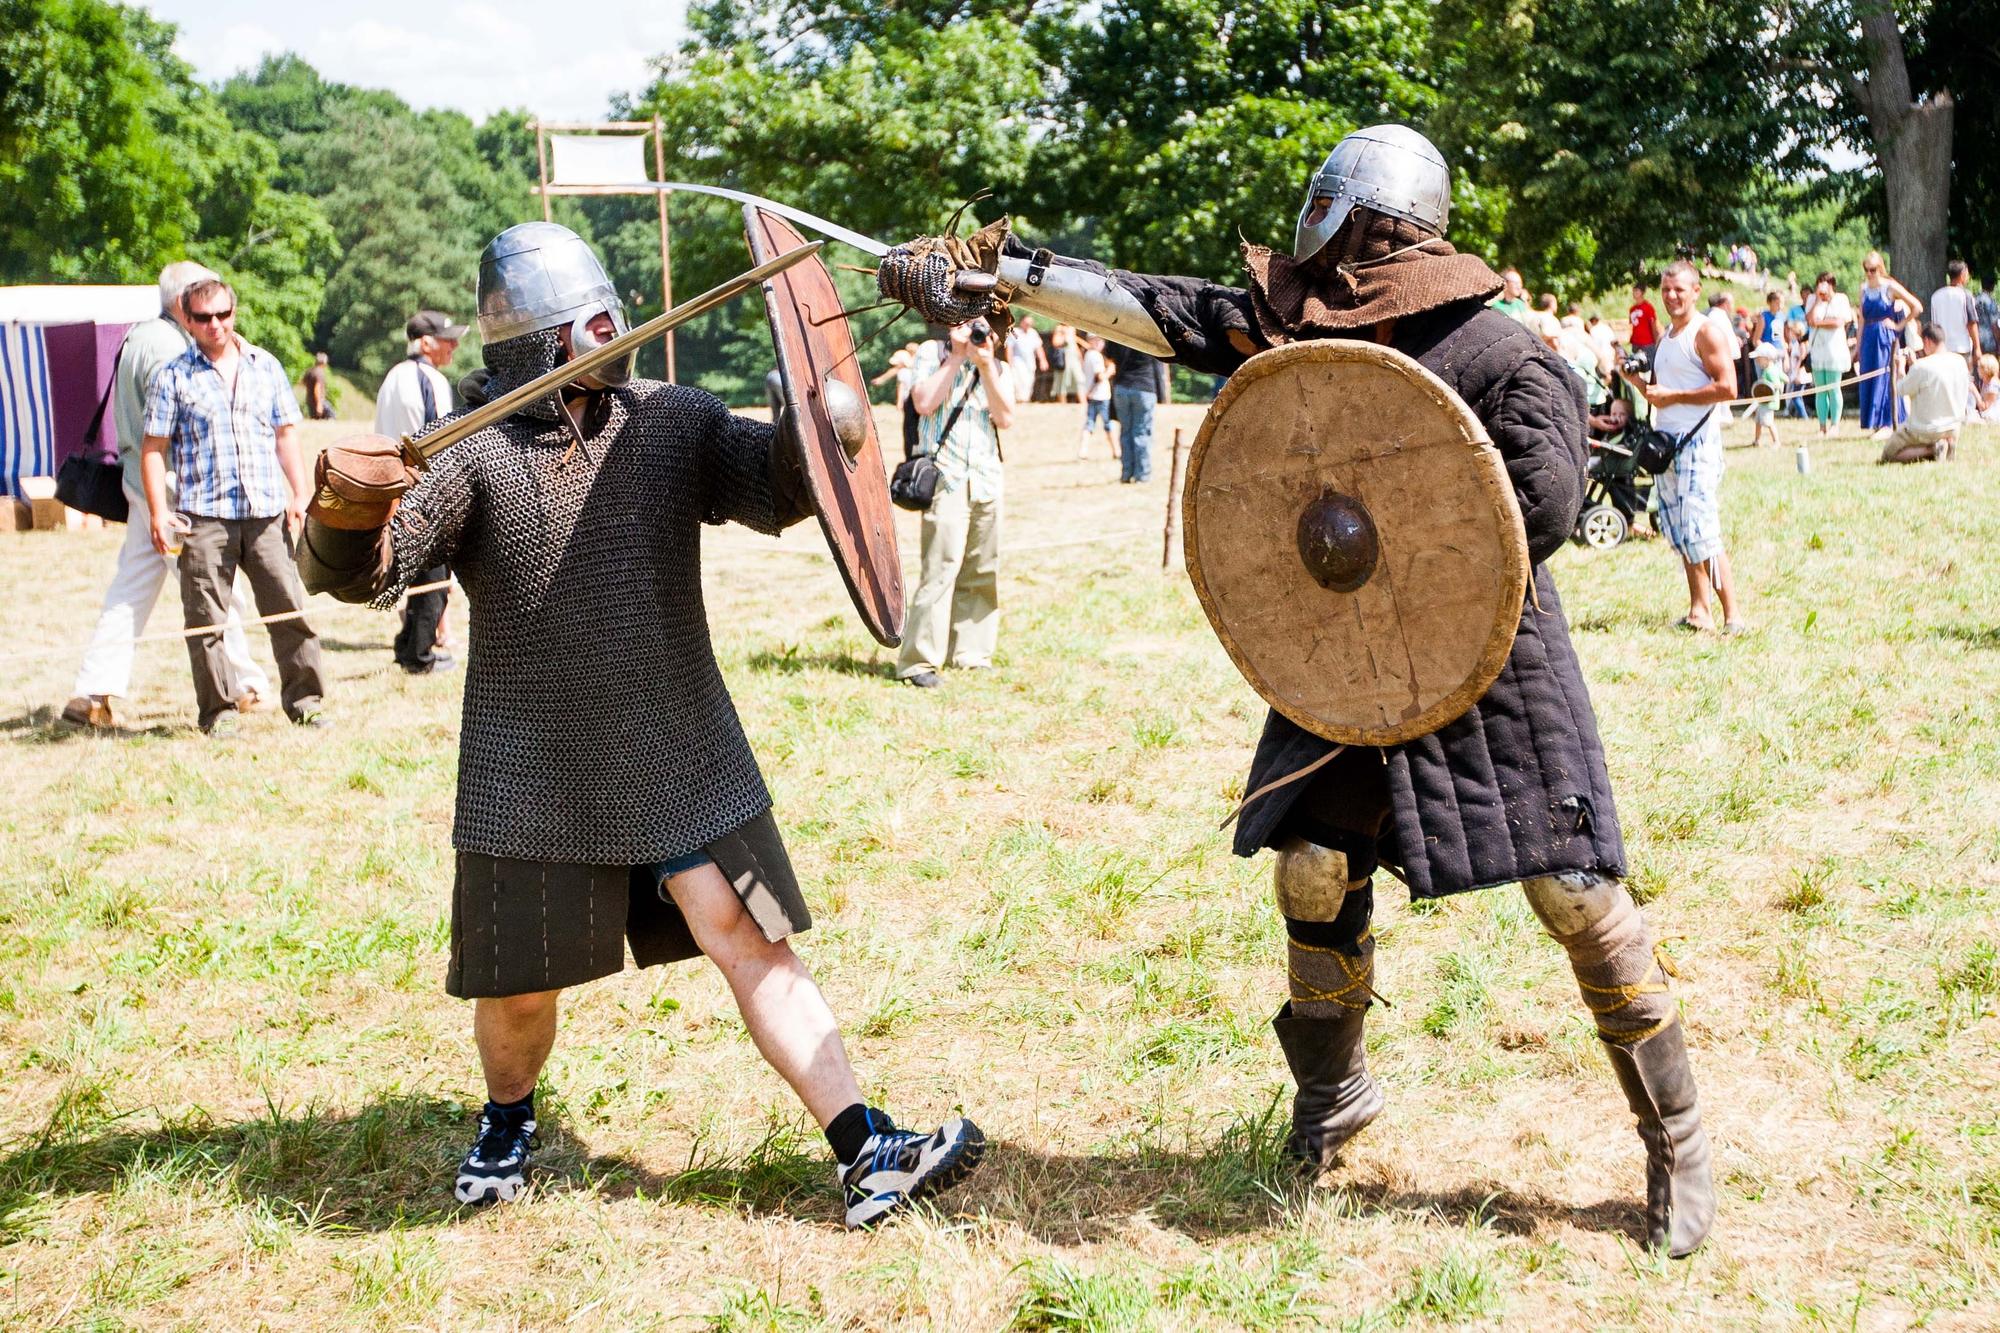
1958	48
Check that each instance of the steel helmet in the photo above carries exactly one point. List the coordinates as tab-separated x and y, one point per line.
1389	168
541	275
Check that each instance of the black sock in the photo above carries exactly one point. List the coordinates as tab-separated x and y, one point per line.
852	1128
511	1113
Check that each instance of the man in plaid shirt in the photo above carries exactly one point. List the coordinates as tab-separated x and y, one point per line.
225	413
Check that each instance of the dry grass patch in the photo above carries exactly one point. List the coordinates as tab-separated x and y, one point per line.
236	1089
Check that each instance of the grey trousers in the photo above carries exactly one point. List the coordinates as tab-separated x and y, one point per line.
955	615
215	550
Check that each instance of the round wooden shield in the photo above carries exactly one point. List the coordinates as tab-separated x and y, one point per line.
826	401
1355	541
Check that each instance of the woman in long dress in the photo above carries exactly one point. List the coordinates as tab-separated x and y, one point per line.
1881	329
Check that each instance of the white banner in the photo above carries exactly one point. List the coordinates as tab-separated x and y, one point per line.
598	159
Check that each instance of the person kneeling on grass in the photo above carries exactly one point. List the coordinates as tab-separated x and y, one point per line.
606	792
1940	394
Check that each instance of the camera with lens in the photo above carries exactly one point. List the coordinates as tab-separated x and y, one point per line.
1633	363
981	331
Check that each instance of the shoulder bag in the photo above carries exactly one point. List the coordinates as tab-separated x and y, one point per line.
87	483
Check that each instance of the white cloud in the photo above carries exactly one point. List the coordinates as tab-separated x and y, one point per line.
477	56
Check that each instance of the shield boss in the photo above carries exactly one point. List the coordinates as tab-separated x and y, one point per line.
827	416
1353	537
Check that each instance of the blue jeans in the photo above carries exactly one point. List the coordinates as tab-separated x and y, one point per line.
1096	413
1135	432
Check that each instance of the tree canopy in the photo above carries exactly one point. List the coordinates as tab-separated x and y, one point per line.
1589	140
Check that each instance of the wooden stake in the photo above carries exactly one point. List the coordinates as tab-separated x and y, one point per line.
1173	506
542	157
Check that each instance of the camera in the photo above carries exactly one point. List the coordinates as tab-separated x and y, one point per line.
981	331
1633	363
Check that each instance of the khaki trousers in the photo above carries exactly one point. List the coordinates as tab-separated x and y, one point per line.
955	616
215	550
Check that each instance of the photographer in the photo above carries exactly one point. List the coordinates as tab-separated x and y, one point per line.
963	399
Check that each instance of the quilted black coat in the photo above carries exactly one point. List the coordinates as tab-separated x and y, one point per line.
1516	787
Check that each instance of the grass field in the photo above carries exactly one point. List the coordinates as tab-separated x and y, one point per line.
235	1089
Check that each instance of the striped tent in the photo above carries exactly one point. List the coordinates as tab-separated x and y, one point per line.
57	349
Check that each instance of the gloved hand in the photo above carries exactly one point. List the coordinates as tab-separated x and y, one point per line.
357	482
946	279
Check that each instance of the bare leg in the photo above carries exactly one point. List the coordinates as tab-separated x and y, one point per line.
1698	590
781	1004
1725	587
515	1034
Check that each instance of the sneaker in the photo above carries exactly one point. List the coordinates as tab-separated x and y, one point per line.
496	1170
440	663
924	680
221	727
312	718
897	1167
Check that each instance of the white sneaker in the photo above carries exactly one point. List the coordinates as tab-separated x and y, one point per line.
897	1167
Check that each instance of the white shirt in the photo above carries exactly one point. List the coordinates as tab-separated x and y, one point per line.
1829	350
1939	388
1951	310
1096	389
970	456
1022	343
1677	365
399	404
1722	320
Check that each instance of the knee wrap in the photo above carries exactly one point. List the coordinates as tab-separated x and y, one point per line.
1623	982
1330	952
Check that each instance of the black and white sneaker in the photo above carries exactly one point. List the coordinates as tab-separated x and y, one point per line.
897	1167
496	1170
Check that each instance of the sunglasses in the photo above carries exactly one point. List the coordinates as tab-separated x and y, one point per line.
211	316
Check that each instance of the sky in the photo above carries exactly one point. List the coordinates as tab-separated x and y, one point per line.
559	61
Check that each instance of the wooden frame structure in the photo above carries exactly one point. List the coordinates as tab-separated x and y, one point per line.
548	191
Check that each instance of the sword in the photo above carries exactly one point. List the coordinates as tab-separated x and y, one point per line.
420	452
798	215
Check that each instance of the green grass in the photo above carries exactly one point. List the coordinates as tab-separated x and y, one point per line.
236	1090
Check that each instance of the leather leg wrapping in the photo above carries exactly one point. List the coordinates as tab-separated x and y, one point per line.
1331	966
1625	987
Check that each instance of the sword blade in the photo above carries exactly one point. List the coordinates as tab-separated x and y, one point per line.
798	215
479	418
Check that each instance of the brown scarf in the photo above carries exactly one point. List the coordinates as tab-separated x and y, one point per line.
1374	268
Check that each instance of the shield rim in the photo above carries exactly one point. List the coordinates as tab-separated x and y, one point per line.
1507	617
888	633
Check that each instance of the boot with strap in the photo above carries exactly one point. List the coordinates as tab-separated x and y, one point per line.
1659	1087
1320	1031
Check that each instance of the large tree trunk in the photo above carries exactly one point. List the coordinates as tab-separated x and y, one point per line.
1913	150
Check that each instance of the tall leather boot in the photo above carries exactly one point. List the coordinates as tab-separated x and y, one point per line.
1659	1087
1624	985
1336	1098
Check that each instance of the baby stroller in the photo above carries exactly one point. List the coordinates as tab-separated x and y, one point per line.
1615	491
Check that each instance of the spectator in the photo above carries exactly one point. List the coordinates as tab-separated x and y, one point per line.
1026	357
965	399
1096	398
1604	343
1951	310
1542	322
415	393
1828	314
900	361
1771	324
1691	376
318	407
1513	298
1939	388
1136	389
224	409
1986	319
1613	420
106	670
1065	365
1989	388
1644	337
1798	369
1885	305
1771	381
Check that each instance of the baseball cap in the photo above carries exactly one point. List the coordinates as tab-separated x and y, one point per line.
1765	352
433	324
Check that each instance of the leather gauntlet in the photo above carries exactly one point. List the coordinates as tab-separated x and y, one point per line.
357	482
927	274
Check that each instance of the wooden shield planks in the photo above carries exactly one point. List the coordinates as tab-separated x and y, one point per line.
1420	640
824	396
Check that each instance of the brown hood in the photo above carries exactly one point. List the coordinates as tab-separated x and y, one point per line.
1364	276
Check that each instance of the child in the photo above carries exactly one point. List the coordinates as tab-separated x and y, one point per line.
1770	383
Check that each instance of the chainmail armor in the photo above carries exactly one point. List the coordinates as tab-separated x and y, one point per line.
596	725
921	274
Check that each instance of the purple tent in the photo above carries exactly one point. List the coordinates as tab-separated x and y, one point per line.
58	346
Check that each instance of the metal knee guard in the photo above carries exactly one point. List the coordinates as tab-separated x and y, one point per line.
1622	980
1330	949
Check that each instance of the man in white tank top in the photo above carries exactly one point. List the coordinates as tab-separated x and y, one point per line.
1692	374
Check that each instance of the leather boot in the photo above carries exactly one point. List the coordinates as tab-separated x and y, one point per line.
1659	1087
1336	1098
